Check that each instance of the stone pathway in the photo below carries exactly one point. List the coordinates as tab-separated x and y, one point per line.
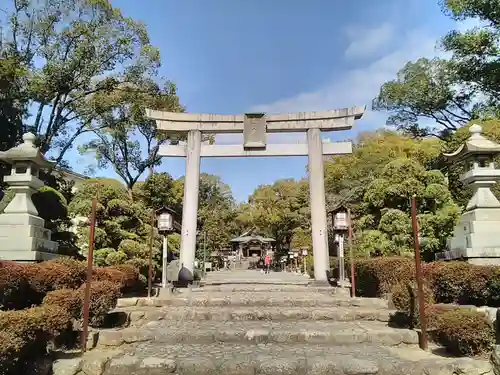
276	324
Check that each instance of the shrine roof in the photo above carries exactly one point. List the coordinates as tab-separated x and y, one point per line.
250	238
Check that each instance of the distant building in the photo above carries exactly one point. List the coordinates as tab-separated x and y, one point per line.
71	176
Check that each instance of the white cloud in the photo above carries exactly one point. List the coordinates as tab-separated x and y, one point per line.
368	41
359	86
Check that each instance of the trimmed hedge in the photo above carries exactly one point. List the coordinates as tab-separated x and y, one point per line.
25	285
57	289
462	331
25	334
451	282
465	332
404	298
103	298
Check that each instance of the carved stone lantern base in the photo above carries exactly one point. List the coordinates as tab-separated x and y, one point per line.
23	238
476	238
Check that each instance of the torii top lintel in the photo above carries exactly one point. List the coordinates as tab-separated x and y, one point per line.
338	119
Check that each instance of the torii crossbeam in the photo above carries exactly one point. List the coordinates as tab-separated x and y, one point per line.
255	127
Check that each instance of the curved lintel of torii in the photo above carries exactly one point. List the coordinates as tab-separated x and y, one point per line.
337	119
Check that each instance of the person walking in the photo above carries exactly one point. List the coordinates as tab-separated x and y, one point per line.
267	262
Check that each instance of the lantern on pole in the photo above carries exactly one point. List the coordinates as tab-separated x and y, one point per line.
165	225
340	227
304	257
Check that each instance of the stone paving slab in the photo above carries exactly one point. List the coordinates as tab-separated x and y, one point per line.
284	299
265	359
313	332
140	315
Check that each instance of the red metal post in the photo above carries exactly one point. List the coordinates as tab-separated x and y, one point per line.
86	299
418	271
351	255
150	266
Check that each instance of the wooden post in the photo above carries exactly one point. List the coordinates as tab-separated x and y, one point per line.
86	298
150	266
418	272
351	254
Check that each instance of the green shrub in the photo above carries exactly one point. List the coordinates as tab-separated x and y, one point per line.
116	258
103	298
124	275
131	280
465	332
493	287
68	299
21	285
376	276
77	269
405	299
25	334
12	285
449	281
57	275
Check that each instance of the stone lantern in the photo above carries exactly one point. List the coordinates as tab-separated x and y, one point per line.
23	236
476	238
340	228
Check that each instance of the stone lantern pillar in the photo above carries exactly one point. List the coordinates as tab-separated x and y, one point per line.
476	238
23	236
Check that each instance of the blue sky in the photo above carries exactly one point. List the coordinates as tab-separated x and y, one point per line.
230	56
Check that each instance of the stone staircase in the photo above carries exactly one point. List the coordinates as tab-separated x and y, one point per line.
247	323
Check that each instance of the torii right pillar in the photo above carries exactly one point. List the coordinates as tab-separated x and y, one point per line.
318	205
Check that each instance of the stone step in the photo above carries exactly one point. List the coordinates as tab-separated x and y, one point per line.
270	288
266	359
270	283
257	332
284	299
142	315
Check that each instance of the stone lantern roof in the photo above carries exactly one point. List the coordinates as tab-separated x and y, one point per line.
476	144
26	151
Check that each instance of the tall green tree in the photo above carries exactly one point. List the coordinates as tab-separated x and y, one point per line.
123	137
123	226
377	181
425	99
476	51
74	49
160	190
12	105
216	213
278	210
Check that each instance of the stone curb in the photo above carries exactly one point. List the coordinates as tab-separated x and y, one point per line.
255	300
340	364
383	337
207	314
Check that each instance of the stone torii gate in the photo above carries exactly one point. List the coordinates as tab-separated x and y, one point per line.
255	127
